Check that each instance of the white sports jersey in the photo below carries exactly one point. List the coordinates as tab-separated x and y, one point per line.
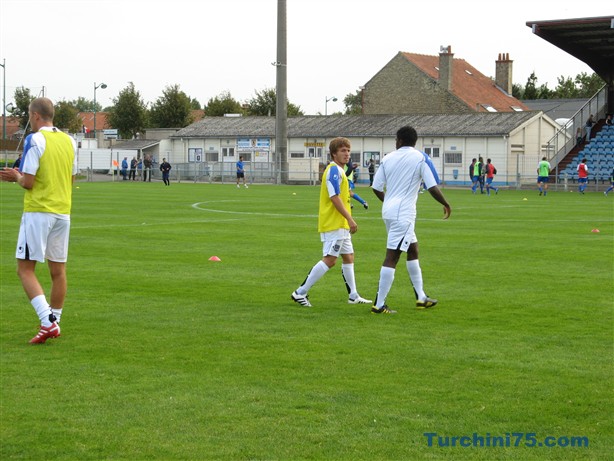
400	176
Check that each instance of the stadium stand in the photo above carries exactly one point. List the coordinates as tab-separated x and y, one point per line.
599	154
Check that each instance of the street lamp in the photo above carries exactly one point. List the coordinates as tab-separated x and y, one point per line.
333	99
103	86
3	98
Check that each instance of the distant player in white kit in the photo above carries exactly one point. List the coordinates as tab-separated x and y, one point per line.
397	184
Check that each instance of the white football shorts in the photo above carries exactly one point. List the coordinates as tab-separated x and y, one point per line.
400	234
43	235
335	243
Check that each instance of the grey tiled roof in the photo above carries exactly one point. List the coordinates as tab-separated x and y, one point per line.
557	108
471	124
136	144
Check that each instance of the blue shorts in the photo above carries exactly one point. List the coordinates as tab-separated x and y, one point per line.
582	180
475	178
542	179
489	180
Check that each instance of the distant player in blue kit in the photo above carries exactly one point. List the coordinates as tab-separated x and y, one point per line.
350	171
582	176
490	171
611	184
241	172
476	175
336	226
543	171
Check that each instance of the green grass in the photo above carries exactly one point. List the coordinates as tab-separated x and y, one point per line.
167	355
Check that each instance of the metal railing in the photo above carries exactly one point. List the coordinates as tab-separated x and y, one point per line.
564	140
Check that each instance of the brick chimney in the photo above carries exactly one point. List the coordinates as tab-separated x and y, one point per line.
503	72
446	58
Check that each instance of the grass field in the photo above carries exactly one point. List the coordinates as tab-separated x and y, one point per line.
167	355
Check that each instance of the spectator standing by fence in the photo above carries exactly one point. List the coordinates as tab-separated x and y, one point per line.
147	168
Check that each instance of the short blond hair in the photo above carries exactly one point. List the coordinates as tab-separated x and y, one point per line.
43	107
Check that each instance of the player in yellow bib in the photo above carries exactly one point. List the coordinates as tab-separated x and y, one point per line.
46	173
335	224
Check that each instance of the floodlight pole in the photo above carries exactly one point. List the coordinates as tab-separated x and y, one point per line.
103	86
281	111
333	99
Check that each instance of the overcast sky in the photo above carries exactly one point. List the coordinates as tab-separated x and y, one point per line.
211	46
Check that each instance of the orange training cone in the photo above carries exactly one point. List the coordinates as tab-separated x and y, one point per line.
214	258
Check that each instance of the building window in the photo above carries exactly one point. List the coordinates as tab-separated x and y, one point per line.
314	152
297	154
247	156
212	156
517	109
228	151
195	155
371	155
489	108
432	152
454	158
355	158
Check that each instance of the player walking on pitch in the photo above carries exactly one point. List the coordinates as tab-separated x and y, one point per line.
46	173
335	224
397	184
543	170
582	176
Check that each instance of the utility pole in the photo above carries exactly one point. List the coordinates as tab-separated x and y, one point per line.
281	112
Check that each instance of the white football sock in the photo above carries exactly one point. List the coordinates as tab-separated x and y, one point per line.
41	306
57	313
347	270
386	277
316	273
415	275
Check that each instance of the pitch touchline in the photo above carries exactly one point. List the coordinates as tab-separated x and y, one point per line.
197	205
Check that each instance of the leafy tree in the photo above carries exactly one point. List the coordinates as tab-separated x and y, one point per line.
532	91
582	86
566	88
129	113
172	110
294	110
265	103
85	105
222	104
353	103
67	117
195	105
517	91
23	98
588	84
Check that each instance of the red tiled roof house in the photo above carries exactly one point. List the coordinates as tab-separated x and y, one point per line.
421	84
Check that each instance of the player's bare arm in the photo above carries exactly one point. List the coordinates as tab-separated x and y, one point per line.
345	213
437	195
379	194
11	175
